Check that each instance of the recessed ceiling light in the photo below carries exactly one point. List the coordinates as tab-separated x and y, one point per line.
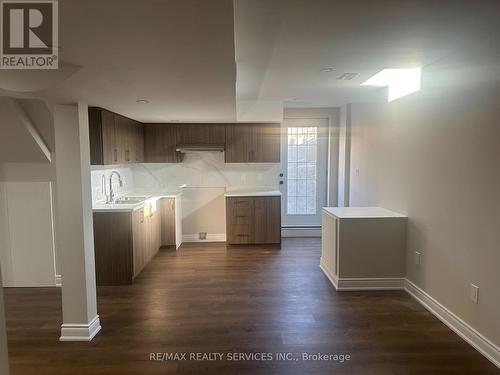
327	69
142	101
401	82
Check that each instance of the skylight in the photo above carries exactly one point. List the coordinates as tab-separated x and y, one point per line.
401	82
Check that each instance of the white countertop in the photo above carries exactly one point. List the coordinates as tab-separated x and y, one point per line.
253	193
123	207
361	212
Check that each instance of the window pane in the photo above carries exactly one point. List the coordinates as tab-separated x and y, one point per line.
301	205
292	171
291	205
292	188
301	188
302	171
311	171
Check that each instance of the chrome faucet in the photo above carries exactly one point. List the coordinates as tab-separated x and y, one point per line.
111	197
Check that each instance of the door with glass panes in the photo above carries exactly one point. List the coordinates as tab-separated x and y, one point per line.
304	149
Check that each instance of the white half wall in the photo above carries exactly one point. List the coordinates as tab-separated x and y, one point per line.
27	250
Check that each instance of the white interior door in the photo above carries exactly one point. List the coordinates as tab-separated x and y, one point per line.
304	150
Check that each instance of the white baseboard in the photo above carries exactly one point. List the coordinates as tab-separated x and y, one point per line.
80	332
333	279
456	324
300	232
210	238
352	284
58	280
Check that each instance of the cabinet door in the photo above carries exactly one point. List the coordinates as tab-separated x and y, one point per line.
110	152
167	213
139	143
113	245
266	220
159	143
138	229
130	148
265	143
121	140
239	212
201	134
238	143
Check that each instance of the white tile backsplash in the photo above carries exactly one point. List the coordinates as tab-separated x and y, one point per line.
206	169
198	170
126	174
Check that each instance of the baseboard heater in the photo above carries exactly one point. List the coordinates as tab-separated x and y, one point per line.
301	231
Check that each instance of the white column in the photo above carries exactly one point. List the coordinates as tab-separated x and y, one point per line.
4	354
75	235
344	156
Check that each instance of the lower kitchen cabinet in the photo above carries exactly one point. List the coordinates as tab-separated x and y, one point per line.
253	220
146	236
124	243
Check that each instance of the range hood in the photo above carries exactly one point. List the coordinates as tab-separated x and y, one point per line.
186	147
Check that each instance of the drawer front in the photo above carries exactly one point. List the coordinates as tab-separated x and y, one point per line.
239	220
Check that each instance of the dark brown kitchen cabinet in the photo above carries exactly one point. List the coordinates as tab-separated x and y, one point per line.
114	139
102	136
253	220
253	143
160	141
124	243
201	134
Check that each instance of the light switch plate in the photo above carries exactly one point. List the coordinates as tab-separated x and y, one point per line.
474	293
417	257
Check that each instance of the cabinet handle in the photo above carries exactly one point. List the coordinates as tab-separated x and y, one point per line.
242	235
115	154
240	215
127	155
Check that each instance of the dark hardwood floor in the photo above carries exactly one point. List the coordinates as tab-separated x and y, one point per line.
205	298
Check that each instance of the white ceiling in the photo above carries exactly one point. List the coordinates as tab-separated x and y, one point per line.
180	54
282	45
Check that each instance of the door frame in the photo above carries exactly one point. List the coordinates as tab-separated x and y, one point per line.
322	164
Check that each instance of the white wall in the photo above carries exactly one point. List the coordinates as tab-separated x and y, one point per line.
27	251
435	156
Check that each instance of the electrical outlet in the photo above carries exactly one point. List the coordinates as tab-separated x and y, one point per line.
474	293
417	257
357	172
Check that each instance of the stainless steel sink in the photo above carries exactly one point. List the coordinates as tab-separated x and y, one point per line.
130	200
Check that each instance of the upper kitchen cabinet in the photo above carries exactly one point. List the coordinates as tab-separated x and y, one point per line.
253	143
160	141
114	139
201	134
